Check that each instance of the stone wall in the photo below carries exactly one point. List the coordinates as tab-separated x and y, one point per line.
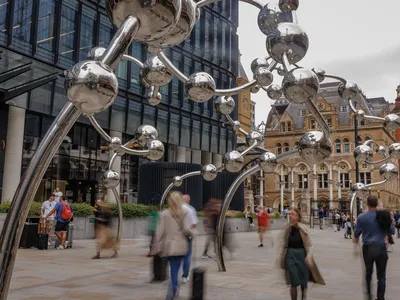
138	227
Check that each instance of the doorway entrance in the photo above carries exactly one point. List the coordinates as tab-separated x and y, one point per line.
82	191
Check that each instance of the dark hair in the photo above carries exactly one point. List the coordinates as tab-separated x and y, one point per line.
372	201
64	198
297	211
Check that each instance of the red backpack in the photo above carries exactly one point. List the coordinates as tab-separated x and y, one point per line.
66	213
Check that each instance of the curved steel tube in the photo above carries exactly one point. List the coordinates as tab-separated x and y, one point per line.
134	152
376	183
252	2
236	90
134	60
174	70
112	160
377	162
23	198
374	118
98	128
169	188
352	107
249	149
294	17
120	217
285	63
353	200
222	216
336	77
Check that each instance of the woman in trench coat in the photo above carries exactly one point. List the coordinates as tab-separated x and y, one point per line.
296	257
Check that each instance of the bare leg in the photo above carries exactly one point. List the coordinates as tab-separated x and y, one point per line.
293	293
58	235
63	238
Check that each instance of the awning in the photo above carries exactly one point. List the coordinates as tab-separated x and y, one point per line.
20	74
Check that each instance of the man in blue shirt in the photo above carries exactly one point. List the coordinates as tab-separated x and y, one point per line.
62	224
374	246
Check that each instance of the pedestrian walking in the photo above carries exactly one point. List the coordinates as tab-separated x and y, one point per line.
297	258
171	239
64	214
374	226
210	224
263	223
249	215
321	216
192	215
104	236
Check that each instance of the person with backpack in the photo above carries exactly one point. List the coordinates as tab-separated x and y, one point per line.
64	214
374	225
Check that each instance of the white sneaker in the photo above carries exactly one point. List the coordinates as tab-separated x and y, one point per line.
205	256
60	247
252	225
49	243
66	244
185	279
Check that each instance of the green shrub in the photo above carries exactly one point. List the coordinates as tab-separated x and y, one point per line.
276	216
239	215
34	210
4	207
200	213
82	209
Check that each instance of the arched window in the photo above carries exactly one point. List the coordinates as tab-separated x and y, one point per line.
302	177
338	146
346	146
289	126
278	148
283	127
322	176
285	147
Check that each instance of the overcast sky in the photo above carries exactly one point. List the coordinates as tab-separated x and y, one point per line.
355	39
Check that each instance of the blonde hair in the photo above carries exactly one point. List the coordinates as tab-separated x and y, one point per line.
175	202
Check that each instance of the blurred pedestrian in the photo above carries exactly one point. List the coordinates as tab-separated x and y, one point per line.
249	215
297	258
104	236
171	239
211	211
321	216
192	214
152	228
263	223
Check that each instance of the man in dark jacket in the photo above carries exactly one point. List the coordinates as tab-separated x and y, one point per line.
321	215
374	245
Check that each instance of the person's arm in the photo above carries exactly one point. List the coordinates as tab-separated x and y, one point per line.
187	224
357	231
42	211
52	212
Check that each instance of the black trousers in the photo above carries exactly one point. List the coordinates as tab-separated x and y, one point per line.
375	254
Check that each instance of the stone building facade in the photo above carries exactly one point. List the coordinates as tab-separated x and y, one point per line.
329	182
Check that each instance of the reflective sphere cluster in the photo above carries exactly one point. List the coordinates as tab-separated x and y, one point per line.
389	172
154	72
225	105
392	122
363	153
209	172
348	90
233	161
111	179
314	147
300	85
270	17
200	87
268	162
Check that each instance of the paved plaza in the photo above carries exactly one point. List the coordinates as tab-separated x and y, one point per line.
252	274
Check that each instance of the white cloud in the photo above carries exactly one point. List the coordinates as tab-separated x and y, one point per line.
352	39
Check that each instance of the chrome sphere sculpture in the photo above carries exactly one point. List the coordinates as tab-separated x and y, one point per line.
363	153
300	85
178	181
274	92
389	172
233	161
110	179
154	72
314	147
156	150
225	105
288	5
360	189
146	133
268	162
270	17
392	122
209	172
394	151
200	87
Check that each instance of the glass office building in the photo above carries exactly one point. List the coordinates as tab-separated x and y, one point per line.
41	38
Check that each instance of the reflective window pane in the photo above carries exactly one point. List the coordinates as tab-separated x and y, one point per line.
214	139
105	31
40	99
149	115
162	125
205	141
135	86
134	116
174	129
3	21
87	31
222	141
68	31
185	132
118	115
196	131
45	30
22	21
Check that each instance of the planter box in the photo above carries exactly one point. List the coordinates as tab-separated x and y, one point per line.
138	227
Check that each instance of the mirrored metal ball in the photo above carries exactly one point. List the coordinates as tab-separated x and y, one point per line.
381	150
389	172
287	38
96	53
288	5
236	125
153	99
254	136
255	89
225	105
348	90
363	153
115	143
209	172
360	189
314	147
157	18
200	87
268	162
392	122
189	17
274	92
300	85
260	62
233	161
177	181
91	86
263	76
154	72
320	74
394	151
110	179
156	150
145	133
270	17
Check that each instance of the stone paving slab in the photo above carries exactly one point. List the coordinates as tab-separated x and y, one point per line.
251	274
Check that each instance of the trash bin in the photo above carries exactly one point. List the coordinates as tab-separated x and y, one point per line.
29	234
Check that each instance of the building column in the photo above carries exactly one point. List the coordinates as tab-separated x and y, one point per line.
14	151
206	158
217	160
117	168
330	187
196	156
261	188
315	187
282	187
339	193
292	186
180	154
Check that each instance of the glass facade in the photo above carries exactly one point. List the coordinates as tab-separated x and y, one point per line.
60	33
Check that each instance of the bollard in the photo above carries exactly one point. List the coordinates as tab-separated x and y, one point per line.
198	283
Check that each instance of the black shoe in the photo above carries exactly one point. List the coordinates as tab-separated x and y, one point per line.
261	245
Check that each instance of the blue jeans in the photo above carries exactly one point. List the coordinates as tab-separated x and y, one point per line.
375	254
187	259
175	265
